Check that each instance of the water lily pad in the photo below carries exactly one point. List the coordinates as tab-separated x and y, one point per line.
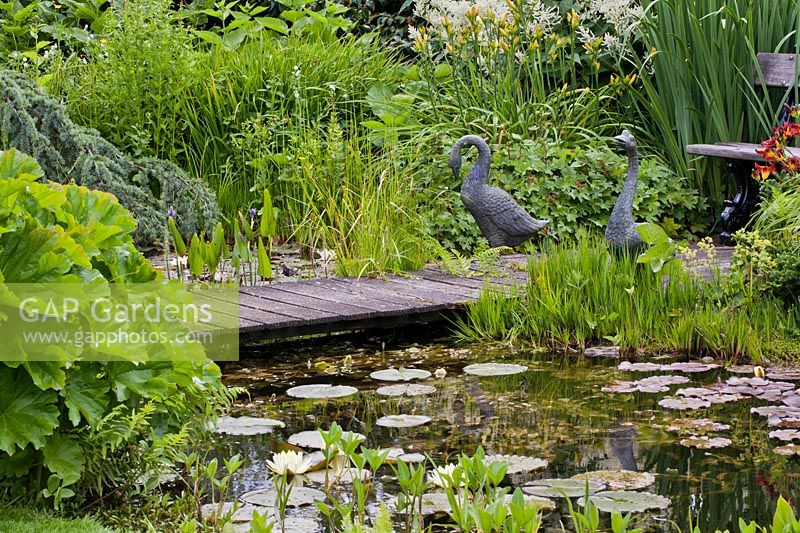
412	458
345	476
784	373
704	442
791	399
619	479
788	449
696	426
313	439
518	464
321	390
626	501
785	434
402	421
494	369
299	497
400	374
627	366
602	351
652	384
776	410
740	369
436	503
684	404
689	368
562	488
296	524
406	389
696	392
247	425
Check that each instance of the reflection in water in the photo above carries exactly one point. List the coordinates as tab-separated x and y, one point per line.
555	411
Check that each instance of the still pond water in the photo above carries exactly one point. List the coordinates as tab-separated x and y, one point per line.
555	411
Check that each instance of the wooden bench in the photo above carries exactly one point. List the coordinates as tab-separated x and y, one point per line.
775	70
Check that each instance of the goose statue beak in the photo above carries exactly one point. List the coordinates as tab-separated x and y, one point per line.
620	139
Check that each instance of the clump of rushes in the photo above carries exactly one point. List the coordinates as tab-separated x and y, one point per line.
578	295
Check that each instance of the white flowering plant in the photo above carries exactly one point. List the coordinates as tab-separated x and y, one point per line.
529	67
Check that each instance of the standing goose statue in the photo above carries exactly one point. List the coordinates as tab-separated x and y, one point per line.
500	218
621	231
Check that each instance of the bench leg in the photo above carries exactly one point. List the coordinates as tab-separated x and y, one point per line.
736	212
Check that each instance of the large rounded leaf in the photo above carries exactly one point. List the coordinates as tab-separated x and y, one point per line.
321	390
406	389
562	488
494	369
247	425
27	413
402	421
299	496
626	501
313	439
518	464
400	374
619	479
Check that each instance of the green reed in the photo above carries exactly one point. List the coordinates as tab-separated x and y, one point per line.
699	87
580	295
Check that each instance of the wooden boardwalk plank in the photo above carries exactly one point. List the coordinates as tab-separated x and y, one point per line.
331	305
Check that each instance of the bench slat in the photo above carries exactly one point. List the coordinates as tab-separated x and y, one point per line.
779	70
729	150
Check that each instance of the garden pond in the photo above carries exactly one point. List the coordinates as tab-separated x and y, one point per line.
556	410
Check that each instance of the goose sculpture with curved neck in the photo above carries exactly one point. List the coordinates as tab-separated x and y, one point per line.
500	218
621	231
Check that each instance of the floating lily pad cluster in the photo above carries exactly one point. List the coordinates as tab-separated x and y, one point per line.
691	367
609	490
653	384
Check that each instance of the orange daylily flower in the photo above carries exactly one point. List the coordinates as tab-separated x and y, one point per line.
763	172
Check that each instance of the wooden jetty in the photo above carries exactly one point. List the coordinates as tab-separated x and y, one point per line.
332	305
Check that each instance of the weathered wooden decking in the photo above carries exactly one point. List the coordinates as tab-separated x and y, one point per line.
292	309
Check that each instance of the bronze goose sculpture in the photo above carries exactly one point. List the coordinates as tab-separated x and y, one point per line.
500	218
621	231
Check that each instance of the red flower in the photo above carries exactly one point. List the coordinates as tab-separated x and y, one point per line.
771	149
792	164
789	130
763	172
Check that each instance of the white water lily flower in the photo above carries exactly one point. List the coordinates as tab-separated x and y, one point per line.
443	476
290	462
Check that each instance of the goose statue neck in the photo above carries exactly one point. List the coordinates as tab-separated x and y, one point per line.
478	175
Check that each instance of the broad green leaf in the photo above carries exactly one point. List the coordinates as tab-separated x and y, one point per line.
264	265
27	414
85	395
274	24
15	164
180	246
64	457
46	374
652	233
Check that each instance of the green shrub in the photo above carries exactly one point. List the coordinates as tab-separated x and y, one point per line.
574	187
78	427
35	123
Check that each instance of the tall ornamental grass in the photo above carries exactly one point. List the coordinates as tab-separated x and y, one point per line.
699	87
578	295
